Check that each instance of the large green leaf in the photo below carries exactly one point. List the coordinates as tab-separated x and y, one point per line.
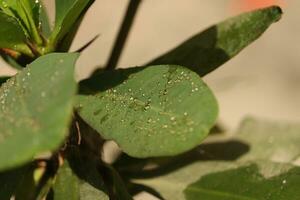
12	35
208	50
67	14
153	111
35	108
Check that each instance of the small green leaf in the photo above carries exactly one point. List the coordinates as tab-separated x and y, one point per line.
153	111
44	25
12	35
208	50
79	179
36	108
66	184
67	14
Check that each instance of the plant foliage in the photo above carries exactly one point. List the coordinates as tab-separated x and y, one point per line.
52	134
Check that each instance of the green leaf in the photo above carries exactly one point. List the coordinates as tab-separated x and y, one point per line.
117	188
44	26
35	8
210	49
36	108
252	165
66	184
67	14
153	111
255	181
12	35
214	180
27	13
79	179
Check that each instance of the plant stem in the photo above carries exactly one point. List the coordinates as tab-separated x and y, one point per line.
122	35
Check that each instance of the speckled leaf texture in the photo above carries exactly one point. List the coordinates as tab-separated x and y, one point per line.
210	49
36	108
152	111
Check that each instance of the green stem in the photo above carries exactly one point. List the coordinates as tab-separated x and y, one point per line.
122	35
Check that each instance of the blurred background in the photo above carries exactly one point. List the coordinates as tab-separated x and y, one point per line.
262	81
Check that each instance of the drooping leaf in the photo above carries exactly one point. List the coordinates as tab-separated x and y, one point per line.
208	50
67	14
12	35
153	111
35	108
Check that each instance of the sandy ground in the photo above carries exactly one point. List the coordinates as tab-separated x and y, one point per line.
263	81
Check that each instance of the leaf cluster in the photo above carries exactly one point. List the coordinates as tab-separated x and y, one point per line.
52	129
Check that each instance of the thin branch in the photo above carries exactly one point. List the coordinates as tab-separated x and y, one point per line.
123	34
